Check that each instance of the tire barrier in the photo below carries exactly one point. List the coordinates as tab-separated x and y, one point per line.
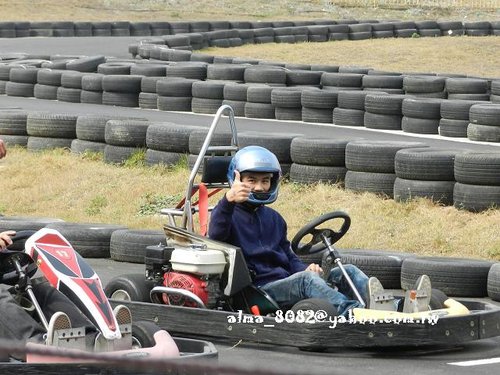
456	277
402	170
129	245
370	165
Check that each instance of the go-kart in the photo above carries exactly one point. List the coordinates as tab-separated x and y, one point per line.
49	252
194	279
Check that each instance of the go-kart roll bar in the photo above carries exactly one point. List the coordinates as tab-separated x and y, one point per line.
187	216
336	258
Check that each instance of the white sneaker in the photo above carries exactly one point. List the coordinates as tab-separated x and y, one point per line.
418	298
378	298
59	321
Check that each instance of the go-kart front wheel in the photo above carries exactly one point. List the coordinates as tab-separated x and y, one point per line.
129	287
143	334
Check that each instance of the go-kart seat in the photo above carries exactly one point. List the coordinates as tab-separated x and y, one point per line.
213	180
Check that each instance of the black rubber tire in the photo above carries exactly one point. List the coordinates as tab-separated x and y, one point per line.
188	70
143	334
23	74
13	122
419	125
303	77
288	114
485	114
79	147
383	81
317	115
15	140
478	168
134	285
372	182
228	72
71	79
457	109
342	79
47	143
169	137
70	95
426	163
118	154
92	127
86	64
375	156
453	128
259	94
236	91
51	77
379	121
204	105
154	157
92	82
277	143
483	133
493	284
111	68
286	97
171	103
321	99
120	99
386	268
466	85
348	117
308	174
423	84
259	110
149	70
265	74
197	138
457	277
148	84
384	104
19	223
52	125
89	240
148	100
476	198
238	106
127	133
208	89
45	92
352	99
20	89
130	245
437	191
319	151
122	83
422	108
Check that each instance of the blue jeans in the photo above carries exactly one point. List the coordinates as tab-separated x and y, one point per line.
307	284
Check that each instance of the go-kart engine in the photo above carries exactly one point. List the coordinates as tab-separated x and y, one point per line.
205	287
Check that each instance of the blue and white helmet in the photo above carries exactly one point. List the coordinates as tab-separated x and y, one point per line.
257	159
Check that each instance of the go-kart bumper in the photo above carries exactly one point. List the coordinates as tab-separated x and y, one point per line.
482	321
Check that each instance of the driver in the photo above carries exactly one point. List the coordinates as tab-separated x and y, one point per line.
242	218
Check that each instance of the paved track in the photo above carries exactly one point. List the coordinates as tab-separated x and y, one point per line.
262	357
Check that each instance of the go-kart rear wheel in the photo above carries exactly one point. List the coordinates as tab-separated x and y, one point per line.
143	334
129	287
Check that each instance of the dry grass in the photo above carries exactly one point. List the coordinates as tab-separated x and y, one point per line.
171	10
474	56
58	184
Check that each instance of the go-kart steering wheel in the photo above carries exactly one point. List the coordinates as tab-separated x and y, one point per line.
317	244
8	272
